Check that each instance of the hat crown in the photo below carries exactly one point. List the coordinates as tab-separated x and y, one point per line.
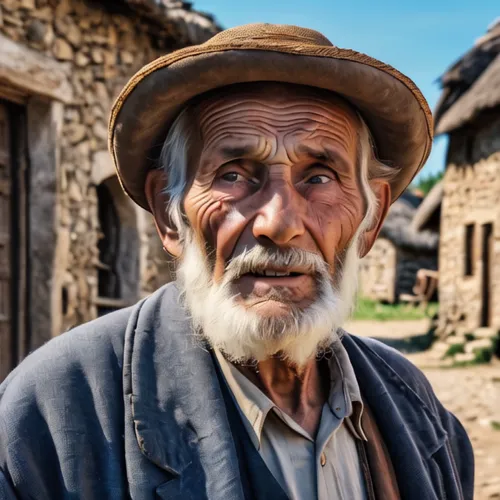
269	34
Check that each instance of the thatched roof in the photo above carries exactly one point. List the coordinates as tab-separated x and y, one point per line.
471	85
397	227
429	208
189	25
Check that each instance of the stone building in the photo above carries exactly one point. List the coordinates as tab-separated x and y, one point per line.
469	253
72	245
389	270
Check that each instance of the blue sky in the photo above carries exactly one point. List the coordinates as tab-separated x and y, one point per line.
420	38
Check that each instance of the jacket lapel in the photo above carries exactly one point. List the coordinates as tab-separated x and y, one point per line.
176	404
412	433
181	426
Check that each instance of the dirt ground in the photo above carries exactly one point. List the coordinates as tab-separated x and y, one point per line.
472	394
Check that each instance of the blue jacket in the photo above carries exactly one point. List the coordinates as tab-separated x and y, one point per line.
130	405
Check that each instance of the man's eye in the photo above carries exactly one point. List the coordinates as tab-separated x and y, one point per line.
319	179
236	177
232	177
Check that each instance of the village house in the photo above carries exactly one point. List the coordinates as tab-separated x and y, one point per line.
469	253
72	245
388	273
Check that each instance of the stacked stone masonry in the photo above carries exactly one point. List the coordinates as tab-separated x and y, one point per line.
469	267
102	49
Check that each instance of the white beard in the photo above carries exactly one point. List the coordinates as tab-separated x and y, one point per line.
244	335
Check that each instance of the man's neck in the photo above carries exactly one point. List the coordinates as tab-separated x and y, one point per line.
301	394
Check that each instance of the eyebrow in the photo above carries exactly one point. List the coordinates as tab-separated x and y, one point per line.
324	154
327	154
230	153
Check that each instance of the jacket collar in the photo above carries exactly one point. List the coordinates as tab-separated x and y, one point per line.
392	399
179	413
177	406
401	399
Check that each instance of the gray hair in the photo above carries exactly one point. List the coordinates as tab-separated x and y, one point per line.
174	158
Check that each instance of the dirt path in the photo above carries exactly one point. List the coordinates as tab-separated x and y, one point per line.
388	329
472	394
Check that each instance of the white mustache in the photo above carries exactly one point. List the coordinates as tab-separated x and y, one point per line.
259	258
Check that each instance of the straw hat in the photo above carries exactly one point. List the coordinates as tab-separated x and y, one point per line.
393	107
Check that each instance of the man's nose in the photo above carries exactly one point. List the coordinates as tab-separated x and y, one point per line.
279	220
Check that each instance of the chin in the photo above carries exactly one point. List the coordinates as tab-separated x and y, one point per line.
269	308
274	304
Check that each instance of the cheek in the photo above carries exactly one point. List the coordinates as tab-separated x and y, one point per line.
338	216
211	216
204	211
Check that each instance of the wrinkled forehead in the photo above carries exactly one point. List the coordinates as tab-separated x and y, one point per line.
239	101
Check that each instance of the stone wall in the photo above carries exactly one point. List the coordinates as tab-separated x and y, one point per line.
377	272
471	197
388	271
102	49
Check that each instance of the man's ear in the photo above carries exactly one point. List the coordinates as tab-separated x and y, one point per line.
157	200
382	191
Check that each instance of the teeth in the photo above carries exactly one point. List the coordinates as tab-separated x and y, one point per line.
267	272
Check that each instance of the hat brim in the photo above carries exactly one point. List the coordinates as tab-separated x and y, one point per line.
395	111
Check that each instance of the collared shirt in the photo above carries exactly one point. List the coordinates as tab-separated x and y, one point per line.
306	468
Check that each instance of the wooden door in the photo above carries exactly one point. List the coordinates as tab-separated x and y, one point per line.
14	343
7	348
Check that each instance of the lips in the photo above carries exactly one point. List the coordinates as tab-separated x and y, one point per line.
292	287
270	273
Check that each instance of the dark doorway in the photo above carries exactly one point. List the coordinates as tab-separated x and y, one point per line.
118	265
14	264
109	244
487	244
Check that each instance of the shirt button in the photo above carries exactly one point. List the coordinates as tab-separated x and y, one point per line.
322	459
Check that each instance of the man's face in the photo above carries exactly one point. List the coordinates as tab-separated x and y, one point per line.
277	169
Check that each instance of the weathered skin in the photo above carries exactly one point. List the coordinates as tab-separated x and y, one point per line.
277	166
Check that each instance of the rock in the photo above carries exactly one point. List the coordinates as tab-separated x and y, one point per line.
81	59
97	56
14	20
75	193
466	357
440	347
76	132
66	27
9	4
126	57
455	339
88	117
448	330
98	112
102	93
100	130
485	333
27	4
109	72
62	50
44	13
64	7
110	58
475	345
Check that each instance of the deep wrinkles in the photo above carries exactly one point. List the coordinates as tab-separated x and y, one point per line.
271	128
268	121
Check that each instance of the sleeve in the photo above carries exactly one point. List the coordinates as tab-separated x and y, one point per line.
61	422
6	489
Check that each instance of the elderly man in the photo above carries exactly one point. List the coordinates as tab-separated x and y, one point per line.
269	159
